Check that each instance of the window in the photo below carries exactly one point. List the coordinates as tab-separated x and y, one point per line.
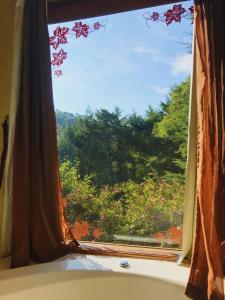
122	98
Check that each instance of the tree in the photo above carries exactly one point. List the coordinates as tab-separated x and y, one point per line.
63	119
124	175
174	125
112	148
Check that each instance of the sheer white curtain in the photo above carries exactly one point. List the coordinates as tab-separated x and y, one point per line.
7	210
191	169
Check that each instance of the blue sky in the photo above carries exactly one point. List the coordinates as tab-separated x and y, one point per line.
127	64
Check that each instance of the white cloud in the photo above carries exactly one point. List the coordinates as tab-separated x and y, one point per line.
152	53
181	64
178	64
144	50
161	90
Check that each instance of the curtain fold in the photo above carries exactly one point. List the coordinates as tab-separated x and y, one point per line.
7	212
208	264
5	130
39	229
191	169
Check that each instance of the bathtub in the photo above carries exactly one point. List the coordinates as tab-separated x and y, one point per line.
84	277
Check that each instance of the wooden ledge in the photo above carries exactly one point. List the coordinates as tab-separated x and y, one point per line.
94	248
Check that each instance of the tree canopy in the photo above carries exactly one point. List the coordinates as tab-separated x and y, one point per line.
125	174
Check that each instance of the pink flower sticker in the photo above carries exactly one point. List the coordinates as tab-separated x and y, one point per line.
97	26
60	73
80	29
59	37
155	16
59	57
191	9
174	14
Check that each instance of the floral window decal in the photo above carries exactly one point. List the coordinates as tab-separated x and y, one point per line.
82	230
61	37
174	14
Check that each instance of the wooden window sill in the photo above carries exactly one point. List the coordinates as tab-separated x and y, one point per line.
94	248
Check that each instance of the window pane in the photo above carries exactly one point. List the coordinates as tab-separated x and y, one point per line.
122	118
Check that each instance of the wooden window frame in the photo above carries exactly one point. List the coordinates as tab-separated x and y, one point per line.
121	250
69	10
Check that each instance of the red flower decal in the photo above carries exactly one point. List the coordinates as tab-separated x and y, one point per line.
80	29
159	236
80	230
59	37
155	16
191	9
60	73
174	14
175	235
97	26
53	42
97	233
59	57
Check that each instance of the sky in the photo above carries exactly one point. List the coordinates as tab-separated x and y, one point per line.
126	64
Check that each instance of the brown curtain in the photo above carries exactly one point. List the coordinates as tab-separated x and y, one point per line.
39	229
5	130
68	10
208	264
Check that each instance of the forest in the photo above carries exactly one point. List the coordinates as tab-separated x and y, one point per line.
123	176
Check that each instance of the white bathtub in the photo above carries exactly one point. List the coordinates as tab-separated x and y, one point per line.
84	277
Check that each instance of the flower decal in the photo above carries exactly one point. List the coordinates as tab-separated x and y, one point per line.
174	14
159	236
175	235
97	26
81	29
80	230
155	16
59	57
97	233
191	9
59	37
60	73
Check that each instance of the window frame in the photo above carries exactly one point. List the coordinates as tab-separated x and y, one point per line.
133	251
67	10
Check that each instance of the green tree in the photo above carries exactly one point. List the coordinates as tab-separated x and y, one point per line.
174	125
124	175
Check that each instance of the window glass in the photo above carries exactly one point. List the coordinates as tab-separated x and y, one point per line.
121	92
